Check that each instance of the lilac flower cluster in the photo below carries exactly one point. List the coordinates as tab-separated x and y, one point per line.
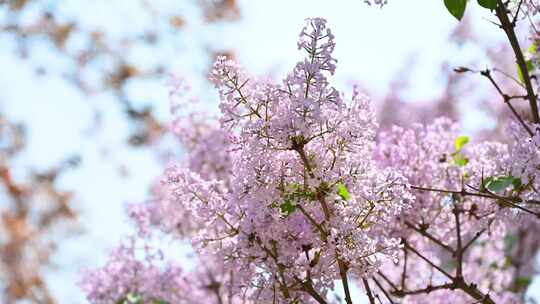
305	203
292	189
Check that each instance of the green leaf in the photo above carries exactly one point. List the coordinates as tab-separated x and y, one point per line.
287	207
343	192
532	48
517	183
523	282
485	182
460	160
294	191
489	4
460	142
530	67
456	7
500	183
130	299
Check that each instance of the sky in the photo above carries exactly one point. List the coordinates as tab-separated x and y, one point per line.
373	45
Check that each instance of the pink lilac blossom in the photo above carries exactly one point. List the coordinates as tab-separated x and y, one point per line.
207	152
426	155
524	162
291	189
125	275
141	275
286	192
282	222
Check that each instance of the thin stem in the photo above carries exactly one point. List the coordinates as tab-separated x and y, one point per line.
430	236
511	201
382	275
517	13
343	273
475	237
428	261
460	192
486	73
428	289
383	290
458	281
343	268
313	221
307	287
404	273
459	249
368	291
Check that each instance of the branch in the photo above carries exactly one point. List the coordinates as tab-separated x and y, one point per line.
459	249
475	237
298	145
387	280
428	289
508	28
428	261
368	292
307	287
512	201
517	13
383	290
430	236
457	281
404	273
344	280
487	73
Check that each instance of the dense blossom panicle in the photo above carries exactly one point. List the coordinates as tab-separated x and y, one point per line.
207	146
207	152
318	42
420	152
291	188
125	274
138	273
429	158
524	158
303	191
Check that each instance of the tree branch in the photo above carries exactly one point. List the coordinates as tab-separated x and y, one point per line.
508	28
298	145
429	236
368	291
507	100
